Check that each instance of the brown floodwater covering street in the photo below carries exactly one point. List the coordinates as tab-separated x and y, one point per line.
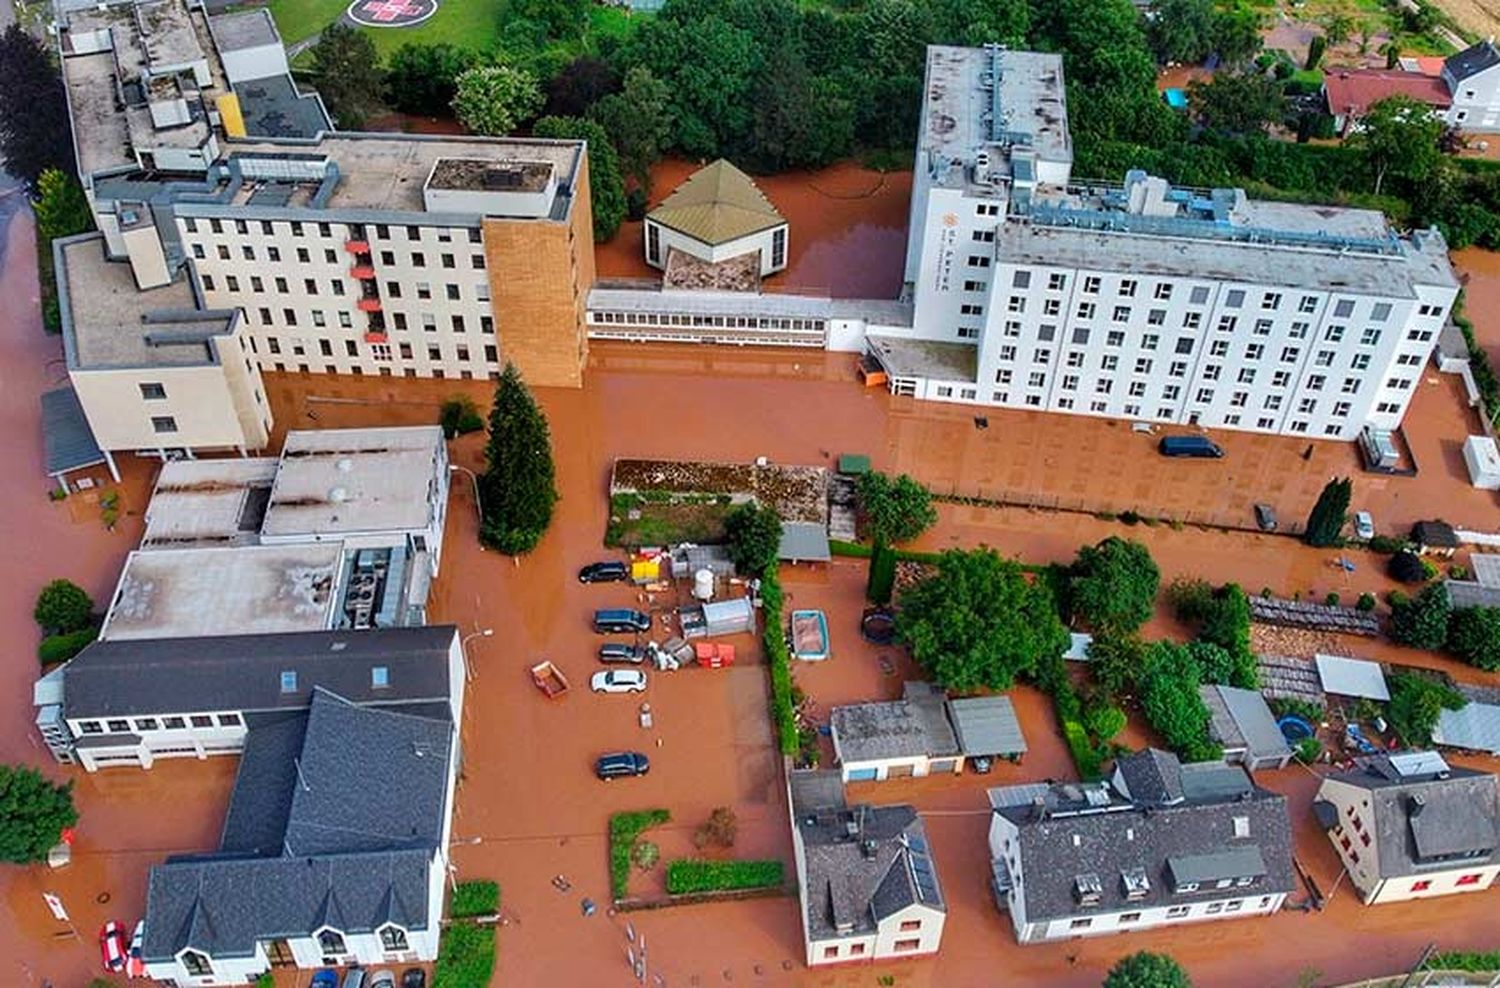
529	808
847	226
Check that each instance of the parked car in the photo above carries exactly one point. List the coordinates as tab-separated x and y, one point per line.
135	963
621	765
112	946
1364	526
611	571
1265	517
354	978
618	681
620	620
325	978
621	652
383	979
1189	446
414	977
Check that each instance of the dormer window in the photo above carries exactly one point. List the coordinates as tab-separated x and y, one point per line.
196	964
393	939
330	942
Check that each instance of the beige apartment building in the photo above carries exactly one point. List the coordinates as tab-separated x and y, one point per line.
239	233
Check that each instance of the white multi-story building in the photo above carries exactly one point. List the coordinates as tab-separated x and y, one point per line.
237	231
1142	301
1160	844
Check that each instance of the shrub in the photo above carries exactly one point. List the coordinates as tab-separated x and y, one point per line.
1085	755
646	855
1170	701
779	659
1422	621
1429	569
1474	636
1308	711
460	416
466	957
1191	599
1308	750
720	828
267	980
480	897
1479	962
1416	703
63	606
753	537
61	648
1406	567
1115	661
1104	721
1366	602
688	875
1386	545
624	828
1332	599
882	574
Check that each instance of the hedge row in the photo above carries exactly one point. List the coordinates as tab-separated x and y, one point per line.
783	713
1465	961
1088	752
1479	364
61	648
466	957
476	898
692	875
624	828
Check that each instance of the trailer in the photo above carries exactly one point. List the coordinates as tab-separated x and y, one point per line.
549	679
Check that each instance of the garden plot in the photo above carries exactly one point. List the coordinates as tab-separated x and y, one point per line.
659	502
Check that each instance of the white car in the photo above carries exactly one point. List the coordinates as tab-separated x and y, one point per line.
1364	526
618	681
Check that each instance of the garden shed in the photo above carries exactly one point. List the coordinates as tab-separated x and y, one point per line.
987	726
1242	723
1340	676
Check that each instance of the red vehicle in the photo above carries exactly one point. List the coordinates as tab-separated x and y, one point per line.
112	946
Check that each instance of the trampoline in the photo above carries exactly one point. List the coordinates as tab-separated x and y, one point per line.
878	626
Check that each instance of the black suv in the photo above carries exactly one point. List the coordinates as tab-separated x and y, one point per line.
606	572
621	765
620	620
621	652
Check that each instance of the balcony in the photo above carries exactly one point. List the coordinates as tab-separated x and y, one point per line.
364	272
377	336
357	246
369	305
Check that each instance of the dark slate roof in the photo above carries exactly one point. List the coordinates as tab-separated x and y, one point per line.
1437	534
864	863
1064	838
66	436
816	789
223	907
342	832
1151	778
243	672
1472	60
274	107
915	725
1427	814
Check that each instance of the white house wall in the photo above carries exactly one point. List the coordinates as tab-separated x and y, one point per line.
669	239
1476	101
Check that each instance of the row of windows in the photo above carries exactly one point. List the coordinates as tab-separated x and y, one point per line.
1176	912
381	231
453	292
457	322
436	373
134	725
727	322
382	352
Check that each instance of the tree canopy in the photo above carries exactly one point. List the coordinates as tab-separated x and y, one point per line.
978	622
495	99
60	207
1147	970
753	533
1416	704
1399	136
1188	31
1422	621
423	78
581	84
518	490
1168	685
33	814
1325	523
1474	636
894	509
35	134
63	606
347	72
638	120
606	186
1113	585
1236	103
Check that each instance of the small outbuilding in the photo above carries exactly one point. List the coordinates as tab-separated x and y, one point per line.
803	542
987	727
1435	538
715	217
1352	677
1482	457
1242	723
909	737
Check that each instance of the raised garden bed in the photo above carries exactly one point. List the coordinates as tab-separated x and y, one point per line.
624	829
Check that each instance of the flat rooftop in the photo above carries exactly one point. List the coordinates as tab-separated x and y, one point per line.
490	175
381	171
101	132
109	322
984	97
263	589
208	502
936	359
250	29
341	481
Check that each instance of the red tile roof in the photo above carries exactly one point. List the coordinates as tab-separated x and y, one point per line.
1351	91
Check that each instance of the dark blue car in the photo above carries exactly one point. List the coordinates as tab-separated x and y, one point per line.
325	978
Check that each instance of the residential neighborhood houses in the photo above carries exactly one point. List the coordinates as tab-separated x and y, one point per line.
700	598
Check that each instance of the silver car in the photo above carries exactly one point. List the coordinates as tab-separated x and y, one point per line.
618	681
1364	526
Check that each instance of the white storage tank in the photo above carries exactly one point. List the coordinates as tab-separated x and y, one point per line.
1483	460
703	584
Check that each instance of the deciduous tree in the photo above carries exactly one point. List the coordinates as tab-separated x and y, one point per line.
60	207
582	83
1146	970
753	534
1422	621
518	490
422	78
1169	697
894	509
639	121
1236	103
1399	136
495	99
978	622
1113	585
63	606
33	814
1416	704
346	70
606	186
1474	636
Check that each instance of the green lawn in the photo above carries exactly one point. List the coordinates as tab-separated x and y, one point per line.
298	19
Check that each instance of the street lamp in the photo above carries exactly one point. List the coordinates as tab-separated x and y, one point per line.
478	505
463	646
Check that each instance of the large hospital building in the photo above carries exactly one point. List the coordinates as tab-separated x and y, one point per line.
240	233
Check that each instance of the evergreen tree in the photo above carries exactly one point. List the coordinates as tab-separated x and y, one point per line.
606	185
518	487
348	75
33	813
1326	520
34	130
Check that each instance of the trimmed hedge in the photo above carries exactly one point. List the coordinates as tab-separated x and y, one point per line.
687	875
1465	961
476	898
61	648
624	828
1479	364
783	713
466	957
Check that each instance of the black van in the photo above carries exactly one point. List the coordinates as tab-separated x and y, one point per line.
620	620
1194	446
